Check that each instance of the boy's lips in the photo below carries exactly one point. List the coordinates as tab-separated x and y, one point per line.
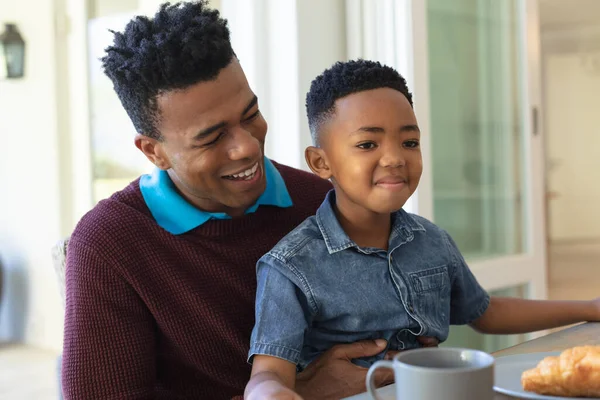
391	182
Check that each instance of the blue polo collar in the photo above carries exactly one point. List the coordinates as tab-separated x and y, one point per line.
174	214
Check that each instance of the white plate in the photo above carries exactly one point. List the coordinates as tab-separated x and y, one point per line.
508	370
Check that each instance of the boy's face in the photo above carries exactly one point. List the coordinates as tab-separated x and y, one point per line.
370	149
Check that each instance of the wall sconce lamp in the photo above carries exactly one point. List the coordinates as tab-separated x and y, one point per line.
12	53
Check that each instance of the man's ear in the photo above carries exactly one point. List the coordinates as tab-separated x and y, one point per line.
317	161
153	150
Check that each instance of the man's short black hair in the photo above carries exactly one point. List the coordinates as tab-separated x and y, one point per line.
183	44
343	79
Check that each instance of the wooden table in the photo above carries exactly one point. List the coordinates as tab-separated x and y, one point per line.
577	335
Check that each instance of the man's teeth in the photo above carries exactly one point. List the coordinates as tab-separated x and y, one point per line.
247	174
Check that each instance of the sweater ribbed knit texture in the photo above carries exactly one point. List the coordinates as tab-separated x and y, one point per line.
151	315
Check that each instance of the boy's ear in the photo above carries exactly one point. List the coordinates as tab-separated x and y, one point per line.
317	162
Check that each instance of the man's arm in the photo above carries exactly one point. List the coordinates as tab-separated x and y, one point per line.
507	315
109	334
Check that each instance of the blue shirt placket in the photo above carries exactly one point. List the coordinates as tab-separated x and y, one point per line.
402	288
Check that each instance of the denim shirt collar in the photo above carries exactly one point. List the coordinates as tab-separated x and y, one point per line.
174	214
336	239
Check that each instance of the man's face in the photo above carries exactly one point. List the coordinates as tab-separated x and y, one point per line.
371	146
213	142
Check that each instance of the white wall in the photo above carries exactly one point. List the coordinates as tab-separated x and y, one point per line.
31	310
321	42
571	87
100	8
571	33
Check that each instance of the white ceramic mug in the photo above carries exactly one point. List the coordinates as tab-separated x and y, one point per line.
439	373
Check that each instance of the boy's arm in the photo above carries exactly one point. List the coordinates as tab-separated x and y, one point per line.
282	316
507	315
272	378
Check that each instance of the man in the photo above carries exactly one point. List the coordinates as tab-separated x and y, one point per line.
160	278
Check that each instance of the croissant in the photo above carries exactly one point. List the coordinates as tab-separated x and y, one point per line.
574	373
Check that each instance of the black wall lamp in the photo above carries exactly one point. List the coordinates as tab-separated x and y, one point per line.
12	53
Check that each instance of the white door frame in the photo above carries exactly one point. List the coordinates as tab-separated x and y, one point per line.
409	54
72	16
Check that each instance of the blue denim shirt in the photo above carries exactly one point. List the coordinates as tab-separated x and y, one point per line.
317	288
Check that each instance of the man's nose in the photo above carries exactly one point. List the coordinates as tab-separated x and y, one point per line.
243	145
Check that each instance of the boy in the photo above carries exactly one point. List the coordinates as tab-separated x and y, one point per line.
362	268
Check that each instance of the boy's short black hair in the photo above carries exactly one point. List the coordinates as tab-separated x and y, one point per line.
343	79
183	44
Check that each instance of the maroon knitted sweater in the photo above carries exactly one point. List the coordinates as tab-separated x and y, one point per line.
151	315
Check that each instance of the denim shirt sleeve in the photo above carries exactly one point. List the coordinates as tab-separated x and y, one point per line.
283	311
468	299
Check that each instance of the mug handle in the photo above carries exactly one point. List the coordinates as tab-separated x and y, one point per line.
371	376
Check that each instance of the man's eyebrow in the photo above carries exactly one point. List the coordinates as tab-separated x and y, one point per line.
250	105
207	131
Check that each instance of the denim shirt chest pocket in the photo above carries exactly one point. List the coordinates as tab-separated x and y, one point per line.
430	289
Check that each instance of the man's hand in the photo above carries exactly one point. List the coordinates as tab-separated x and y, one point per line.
425	341
334	376
428	341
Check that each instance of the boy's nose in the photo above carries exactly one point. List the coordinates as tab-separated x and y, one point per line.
392	158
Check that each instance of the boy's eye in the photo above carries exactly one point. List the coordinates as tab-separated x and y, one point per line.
366	145
411	144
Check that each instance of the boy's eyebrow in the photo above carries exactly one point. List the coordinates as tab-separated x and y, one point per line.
369	129
378	129
410	128
207	131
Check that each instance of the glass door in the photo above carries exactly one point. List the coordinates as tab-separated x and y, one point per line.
477	126
486	178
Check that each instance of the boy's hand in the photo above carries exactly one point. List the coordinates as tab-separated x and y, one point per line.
272	390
